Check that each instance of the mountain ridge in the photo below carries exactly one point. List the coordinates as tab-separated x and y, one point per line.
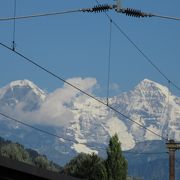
89	122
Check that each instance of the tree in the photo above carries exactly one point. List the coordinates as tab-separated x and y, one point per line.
16	152
43	163
88	166
116	164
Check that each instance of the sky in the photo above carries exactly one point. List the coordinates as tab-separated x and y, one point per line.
76	45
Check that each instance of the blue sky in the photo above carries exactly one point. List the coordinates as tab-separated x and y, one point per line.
76	45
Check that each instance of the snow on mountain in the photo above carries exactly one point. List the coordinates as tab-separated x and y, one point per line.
94	122
152	105
90	123
21	91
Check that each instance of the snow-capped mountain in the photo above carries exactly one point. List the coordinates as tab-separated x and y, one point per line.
22	91
86	122
152	105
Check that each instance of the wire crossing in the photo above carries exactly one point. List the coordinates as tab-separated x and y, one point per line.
80	90
98	9
140	51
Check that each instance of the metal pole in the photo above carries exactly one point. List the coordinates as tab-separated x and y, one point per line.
171	164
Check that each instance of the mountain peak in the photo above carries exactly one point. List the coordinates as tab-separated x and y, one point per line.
20	87
28	84
147	81
149	85
24	82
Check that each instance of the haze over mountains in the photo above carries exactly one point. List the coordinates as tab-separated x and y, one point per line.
88	123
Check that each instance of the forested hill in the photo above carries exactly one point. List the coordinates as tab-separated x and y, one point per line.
17	152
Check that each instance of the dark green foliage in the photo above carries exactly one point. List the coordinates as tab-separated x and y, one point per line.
92	167
116	164
32	153
17	152
44	163
88	166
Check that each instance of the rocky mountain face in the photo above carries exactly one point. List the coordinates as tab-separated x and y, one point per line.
84	124
152	105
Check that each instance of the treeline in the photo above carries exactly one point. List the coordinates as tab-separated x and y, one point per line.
17	152
85	166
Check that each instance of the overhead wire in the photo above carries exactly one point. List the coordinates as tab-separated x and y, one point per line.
99	8
166	17
14	26
109	61
115	24
40	15
80	90
142	53
111	21
140	14
146	57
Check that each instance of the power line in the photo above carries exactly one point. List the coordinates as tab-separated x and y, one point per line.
101	8
14	26
138	13
146	57
77	88
41	15
109	61
96	9
166	17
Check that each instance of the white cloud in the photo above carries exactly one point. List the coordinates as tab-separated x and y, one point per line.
54	110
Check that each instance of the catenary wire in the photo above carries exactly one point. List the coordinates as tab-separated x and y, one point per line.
142	53
40	15
66	82
94	9
109	61
147	58
165	17
115	24
77	88
14	26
